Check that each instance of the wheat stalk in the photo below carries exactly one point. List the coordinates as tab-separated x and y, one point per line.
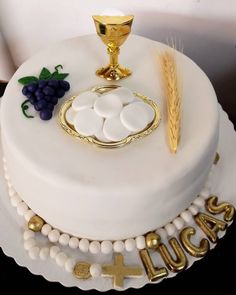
173	98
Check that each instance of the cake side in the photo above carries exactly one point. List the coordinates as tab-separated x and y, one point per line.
115	194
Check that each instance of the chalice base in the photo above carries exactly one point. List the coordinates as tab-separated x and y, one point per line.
112	73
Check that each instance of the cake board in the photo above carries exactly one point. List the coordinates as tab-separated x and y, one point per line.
12	225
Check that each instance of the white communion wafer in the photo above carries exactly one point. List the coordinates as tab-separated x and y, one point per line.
114	130
87	122
84	100
134	117
149	109
125	94
108	106
100	136
70	115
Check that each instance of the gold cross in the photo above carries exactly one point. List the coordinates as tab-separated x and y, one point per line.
119	271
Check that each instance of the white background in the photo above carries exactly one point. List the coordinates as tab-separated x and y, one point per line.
207	28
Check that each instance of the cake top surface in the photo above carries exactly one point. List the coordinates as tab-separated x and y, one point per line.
49	151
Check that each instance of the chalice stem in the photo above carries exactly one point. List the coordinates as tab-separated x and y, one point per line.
113	52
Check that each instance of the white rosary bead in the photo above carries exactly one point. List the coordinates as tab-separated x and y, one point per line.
46	229
70	264
9	184
54	250
118	246
11	192
208	184
53	236
130	245
44	253
178	223
94	247
84	245
140	242
205	192
7	177
22	208
193	209
187	216
64	239
200	202
162	233
15	200
95	270
28	234
28	215
28	244
61	258
73	243
170	229
106	247
34	253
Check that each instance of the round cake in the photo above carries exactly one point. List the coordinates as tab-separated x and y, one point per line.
110	194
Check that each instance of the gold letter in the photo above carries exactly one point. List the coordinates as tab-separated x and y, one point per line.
153	272
214	208
193	250
210	225
181	261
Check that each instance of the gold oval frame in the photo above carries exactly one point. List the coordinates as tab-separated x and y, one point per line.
102	89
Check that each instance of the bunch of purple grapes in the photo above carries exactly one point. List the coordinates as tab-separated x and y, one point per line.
44	95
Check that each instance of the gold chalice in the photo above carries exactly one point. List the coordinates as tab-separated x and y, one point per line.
113	30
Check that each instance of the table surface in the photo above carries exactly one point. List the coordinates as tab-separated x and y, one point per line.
212	274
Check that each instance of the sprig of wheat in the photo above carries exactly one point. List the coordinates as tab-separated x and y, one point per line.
173	98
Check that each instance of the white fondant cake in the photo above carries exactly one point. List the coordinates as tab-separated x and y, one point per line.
109	194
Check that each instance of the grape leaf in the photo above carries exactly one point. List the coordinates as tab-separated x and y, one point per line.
45	74
59	76
27	80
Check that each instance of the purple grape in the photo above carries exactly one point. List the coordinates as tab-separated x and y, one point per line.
48	98
53	83
54	100
32	87
39	94
48	90
42	104
37	107
49	106
45	115
29	95
25	90
42	83
32	100
65	85
60	92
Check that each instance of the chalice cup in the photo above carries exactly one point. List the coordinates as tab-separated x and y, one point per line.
113	30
